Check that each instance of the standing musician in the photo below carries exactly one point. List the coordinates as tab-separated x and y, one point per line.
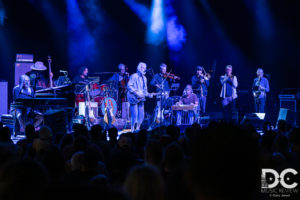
161	82
200	82
82	78
188	98
24	91
260	88
120	82
137	91
228	93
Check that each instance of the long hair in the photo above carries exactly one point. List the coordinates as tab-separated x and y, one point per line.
22	79
81	69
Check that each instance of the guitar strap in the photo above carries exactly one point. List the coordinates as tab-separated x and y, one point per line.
143	82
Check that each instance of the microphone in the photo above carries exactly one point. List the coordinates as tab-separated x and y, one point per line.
62	71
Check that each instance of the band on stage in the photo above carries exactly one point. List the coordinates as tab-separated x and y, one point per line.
123	95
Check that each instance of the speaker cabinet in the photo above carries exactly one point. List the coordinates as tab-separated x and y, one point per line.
256	119
4	98
21	68
288	115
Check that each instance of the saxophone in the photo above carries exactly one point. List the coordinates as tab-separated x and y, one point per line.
257	91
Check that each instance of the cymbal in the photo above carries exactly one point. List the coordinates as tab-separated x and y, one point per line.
38	66
111	82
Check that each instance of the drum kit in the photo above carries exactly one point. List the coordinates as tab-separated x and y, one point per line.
101	95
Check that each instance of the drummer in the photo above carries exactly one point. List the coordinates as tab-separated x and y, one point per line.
82	78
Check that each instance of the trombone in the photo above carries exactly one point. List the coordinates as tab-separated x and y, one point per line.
206	75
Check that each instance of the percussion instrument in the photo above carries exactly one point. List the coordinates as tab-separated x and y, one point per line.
82	108
79	98
111	102
98	99
95	90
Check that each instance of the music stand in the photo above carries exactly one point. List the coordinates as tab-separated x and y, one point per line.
174	87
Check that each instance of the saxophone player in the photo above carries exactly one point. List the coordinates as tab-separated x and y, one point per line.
260	88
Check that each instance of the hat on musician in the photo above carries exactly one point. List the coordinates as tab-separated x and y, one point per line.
38	66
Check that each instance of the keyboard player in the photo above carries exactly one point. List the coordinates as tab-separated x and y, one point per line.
188	98
23	115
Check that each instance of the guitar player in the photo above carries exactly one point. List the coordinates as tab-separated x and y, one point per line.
136	95
260	88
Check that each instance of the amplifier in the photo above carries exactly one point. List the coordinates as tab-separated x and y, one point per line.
3	99
21	68
24	57
288	101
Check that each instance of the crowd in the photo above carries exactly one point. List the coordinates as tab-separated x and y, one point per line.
221	161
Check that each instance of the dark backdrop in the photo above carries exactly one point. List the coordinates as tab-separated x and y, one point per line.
226	33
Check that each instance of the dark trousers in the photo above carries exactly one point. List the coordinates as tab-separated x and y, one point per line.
202	104
259	105
228	104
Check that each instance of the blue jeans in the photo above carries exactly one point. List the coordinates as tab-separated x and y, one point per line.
137	115
259	105
202	104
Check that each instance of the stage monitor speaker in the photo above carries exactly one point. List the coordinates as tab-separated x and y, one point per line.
56	120
4	98
21	68
288	115
256	119
218	116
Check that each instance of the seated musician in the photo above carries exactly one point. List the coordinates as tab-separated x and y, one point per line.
24	91
82	78
39	76
188	98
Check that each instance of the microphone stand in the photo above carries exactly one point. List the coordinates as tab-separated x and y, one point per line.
162	99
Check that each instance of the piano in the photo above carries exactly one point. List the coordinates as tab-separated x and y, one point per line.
184	107
57	94
41	103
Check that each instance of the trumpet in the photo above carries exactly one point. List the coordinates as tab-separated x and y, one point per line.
205	75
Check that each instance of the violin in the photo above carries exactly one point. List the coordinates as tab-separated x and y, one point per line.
170	76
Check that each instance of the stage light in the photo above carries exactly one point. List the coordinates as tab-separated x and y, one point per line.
157	26
263	18
2	13
82	45
139	9
176	34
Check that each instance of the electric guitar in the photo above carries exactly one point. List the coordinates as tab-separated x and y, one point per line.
91	117
134	98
